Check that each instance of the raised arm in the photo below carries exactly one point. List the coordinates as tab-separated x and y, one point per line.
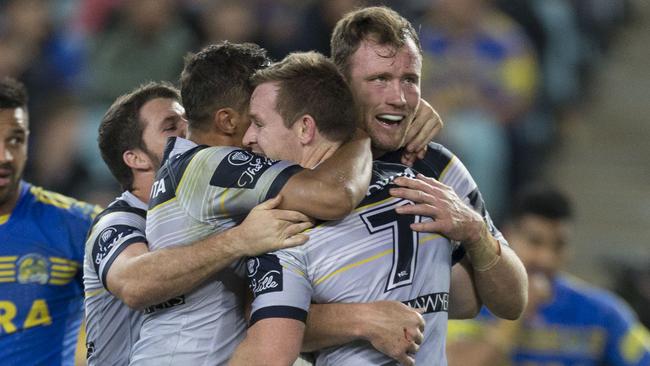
499	275
425	126
336	186
141	278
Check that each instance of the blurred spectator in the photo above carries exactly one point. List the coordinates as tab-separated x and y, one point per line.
319	21
232	20
567	321
480	73
146	40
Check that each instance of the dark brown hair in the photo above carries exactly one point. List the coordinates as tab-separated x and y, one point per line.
309	83
380	23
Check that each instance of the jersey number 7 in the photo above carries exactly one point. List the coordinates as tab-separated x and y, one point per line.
405	240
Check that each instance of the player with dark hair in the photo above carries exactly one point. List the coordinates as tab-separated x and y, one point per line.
203	189
567	321
121	276
42	235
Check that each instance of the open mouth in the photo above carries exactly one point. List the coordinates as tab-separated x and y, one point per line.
389	119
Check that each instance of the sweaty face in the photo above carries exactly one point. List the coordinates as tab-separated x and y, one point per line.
267	133
540	243
386	86
162	119
13	154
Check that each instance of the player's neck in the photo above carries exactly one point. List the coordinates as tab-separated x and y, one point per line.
142	183
317	153
211	138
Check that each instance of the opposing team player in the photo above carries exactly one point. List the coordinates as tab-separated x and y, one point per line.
378	51
202	189
42	235
370	255
119	271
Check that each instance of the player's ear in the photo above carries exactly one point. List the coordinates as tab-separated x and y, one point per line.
226	120
136	159
305	128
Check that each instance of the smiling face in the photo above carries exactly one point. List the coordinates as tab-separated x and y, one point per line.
267	133
386	86
13	154
162	118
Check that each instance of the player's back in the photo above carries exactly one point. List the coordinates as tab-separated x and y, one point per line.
111	326
40	282
199	191
370	255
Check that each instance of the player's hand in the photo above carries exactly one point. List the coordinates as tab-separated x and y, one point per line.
451	217
394	329
426	124
267	229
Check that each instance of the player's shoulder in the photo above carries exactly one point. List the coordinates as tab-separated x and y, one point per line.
589	296
124	208
51	204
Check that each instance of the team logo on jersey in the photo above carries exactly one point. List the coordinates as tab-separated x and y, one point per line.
33	268
251	266
264	274
239	157
107	239
240	169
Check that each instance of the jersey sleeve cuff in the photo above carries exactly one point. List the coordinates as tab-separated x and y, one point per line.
280	180
109	263
288	312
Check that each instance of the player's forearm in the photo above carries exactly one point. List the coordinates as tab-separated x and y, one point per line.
499	276
159	275
332	325
335	187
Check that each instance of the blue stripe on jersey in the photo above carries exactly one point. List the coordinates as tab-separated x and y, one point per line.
288	312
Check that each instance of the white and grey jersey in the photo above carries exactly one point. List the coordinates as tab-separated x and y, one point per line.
111	327
370	255
198	191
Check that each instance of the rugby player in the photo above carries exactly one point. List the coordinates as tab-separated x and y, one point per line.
370	255
42	235
378	52
121	276
202	189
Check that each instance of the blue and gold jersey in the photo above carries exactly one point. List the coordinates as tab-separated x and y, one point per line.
41	293
581	326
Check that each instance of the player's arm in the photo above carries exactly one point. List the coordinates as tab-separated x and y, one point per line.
270	342
393	328
464	301
499	276
141	278
336	186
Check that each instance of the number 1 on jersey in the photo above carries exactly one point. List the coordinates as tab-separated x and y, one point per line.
405	241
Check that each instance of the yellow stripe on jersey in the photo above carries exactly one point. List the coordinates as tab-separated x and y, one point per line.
63	268
423	239
4	218
7	279
635	343
63	275
51	198
58	281
375	204
93	293
64	261
444	171
222	201
158	206
7	273
7	266
9	258
350	266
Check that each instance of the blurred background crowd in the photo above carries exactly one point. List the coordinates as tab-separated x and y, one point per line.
516	82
